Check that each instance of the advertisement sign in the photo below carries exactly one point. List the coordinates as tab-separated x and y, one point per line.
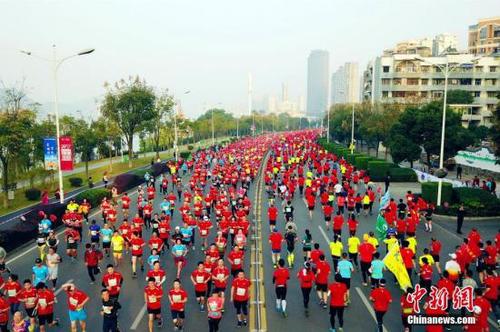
481	158
66	152
50	153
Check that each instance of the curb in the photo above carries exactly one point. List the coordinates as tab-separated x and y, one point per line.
446	217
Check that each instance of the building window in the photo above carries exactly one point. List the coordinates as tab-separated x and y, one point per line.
492	94
385	94
397	81
476	94
483	33
438	81
477	81
437	94
466	81
493	69
385	69
412	81
423	94
398	94
425	81
478	69
386	81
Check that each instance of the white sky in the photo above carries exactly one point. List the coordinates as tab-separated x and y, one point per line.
209	47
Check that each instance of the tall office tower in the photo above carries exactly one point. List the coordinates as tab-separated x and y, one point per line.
444	42
318	77
345	84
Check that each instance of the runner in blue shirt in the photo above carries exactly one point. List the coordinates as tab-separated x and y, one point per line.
94	232
345	269
40	272
106	234
376	270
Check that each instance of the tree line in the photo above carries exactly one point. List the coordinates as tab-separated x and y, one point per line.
131	109
408	130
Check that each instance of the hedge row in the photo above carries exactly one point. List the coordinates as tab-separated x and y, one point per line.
93	196
430	189
477	203
377	168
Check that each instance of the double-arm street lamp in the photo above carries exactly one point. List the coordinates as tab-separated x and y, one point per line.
446	69
56	64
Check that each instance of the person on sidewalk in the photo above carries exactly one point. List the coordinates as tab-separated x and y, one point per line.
460	218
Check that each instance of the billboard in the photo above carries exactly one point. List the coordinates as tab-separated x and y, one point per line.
50	153
66	153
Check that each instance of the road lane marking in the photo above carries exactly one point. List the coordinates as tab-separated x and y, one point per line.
324	235
27	251
138	318
60	288
368	306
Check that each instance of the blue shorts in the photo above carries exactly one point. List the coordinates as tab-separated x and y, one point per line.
80	315
278	251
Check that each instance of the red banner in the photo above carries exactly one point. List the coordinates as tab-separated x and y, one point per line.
66	153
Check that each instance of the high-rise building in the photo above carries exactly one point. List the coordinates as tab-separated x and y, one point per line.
484	37
318	77
414	79
345	84
444	42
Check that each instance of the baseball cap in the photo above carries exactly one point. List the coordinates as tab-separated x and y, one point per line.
453	256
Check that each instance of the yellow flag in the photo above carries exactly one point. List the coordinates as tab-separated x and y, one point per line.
394	263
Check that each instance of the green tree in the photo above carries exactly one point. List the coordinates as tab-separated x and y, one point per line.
422	126
130	104
164	116
461	97
15	127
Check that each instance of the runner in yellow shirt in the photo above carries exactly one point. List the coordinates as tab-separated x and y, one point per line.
352	247
117	244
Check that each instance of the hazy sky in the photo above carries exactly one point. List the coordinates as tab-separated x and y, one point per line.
209	47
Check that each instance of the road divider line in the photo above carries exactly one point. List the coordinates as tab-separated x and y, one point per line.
138	318
324	235
368	306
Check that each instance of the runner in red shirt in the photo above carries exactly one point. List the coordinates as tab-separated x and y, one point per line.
280	279
155	242
338	299
235	258
76	300
204	226
12	287
45	307
200	278
323	271
381	299
137	244
240	294
366	251
158	273
125	204
178	298
28	297
276	240
4	314
327	213
408	258
272	214
406	308
338	222
311	201
152	297
306	278
220	275
112	281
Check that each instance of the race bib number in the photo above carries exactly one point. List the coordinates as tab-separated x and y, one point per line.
176	298
107	309
152	299
200	279
237	261
220	276
204	232
73	301
42	302
112	282
135	247
12	292
241	291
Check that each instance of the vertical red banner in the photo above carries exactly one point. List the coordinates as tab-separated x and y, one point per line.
66	153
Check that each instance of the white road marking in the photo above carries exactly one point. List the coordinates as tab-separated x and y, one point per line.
60	288
27	251
138	318
368	306
324	235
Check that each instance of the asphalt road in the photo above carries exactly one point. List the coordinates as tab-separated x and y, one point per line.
358	316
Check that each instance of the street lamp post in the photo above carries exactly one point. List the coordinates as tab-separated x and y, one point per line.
213	130
176	135
446	69
56	64
352	130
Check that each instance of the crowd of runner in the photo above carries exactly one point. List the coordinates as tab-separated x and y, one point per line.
205	204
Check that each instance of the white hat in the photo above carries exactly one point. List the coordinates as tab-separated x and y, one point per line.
453	256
